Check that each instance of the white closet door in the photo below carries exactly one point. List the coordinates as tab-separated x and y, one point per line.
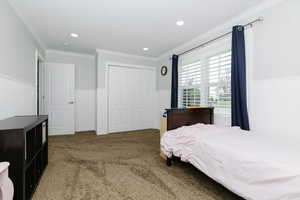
131	98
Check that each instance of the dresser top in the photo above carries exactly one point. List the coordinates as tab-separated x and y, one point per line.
21	122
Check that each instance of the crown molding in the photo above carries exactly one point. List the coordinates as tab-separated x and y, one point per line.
27	26
249	14
69	53
117	53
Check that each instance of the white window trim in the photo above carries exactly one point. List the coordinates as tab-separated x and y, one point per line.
203	54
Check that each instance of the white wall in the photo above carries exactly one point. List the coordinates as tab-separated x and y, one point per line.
164	85
276	70
85	86
274	75
17	65
104	58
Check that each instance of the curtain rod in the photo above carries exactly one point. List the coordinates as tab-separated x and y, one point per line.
250	24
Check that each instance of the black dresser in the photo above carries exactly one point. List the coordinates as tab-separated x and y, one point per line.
24	144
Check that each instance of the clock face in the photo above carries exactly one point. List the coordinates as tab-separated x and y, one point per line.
164	70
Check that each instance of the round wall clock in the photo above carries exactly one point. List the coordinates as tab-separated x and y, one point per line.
164	70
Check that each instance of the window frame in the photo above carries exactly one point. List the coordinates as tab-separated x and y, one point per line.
204	55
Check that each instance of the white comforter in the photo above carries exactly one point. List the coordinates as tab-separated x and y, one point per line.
254	166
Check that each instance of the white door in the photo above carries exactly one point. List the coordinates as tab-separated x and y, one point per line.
60	98
42	105
131	98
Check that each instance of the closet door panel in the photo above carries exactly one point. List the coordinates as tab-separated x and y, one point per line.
131	98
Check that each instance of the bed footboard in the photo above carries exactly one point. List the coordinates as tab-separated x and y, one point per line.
185	117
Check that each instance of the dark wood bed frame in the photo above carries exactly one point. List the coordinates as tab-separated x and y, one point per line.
185	117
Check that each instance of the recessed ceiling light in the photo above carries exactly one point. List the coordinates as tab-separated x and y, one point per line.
180	23
145	49
74	35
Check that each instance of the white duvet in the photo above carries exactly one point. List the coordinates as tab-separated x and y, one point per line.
254	166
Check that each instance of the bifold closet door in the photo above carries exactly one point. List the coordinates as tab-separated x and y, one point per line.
131	98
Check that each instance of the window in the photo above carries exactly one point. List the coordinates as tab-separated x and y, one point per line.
207	82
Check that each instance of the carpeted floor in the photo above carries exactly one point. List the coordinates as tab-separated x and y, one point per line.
124	166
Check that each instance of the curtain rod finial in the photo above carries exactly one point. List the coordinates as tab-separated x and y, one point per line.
261	18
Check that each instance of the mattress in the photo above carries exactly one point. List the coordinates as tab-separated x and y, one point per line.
254	166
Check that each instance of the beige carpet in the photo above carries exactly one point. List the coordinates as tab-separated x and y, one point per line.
123	166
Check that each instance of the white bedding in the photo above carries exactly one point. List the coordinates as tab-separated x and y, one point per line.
254	166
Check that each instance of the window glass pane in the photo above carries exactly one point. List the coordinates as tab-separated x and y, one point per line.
207	82
191	97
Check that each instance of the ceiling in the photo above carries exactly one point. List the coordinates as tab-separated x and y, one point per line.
124	26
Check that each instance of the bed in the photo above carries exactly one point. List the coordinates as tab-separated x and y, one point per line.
254	166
